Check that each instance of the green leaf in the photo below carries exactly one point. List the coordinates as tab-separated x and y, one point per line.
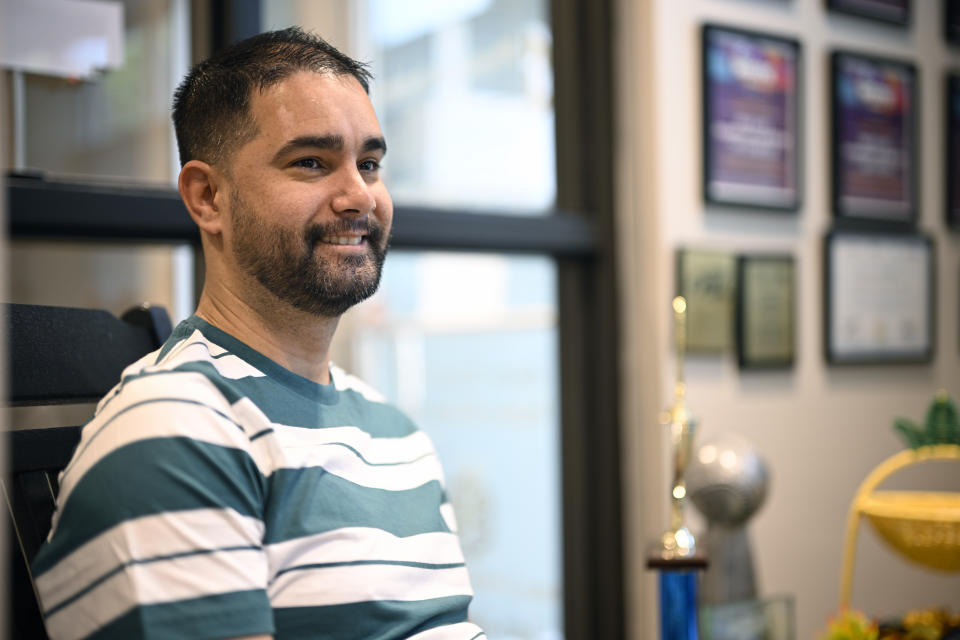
911	433
952	426
941	427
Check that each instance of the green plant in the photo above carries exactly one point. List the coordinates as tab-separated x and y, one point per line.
942	426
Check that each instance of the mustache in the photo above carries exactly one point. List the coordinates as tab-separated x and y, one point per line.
362	226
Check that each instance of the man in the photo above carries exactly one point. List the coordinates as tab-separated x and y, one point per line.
235	484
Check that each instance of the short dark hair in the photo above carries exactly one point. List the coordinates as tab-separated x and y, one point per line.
211	107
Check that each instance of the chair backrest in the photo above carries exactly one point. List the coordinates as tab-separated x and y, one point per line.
58	355
64	355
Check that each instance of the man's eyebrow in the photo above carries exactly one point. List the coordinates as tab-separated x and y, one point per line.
374	144
333	142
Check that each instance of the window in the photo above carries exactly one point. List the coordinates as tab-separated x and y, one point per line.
107	130
567	245
464	93
466	344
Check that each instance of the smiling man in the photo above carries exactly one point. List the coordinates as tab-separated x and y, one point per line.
235	484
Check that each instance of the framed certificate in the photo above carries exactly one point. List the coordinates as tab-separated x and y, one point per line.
879	304
765	311
874	139
892	11
751	139
952	177
707	280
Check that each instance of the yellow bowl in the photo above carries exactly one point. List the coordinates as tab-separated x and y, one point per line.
923	526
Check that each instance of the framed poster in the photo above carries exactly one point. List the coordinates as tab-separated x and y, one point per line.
707	280
874	138
951	21
952	164
766	313
879	304
892	11
751	138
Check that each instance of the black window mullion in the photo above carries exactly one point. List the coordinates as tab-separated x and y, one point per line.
39	207
560	233
588	315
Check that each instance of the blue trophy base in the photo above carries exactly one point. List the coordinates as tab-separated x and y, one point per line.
678	605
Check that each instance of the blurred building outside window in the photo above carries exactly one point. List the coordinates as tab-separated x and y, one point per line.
467	346
464	92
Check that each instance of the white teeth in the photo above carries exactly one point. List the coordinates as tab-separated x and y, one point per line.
352	240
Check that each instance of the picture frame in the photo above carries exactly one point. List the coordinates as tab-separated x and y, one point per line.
874	140
707	279
893	12
952	161
751	85
766	311
879	305
951	21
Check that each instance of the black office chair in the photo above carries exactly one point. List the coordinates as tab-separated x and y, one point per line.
58	355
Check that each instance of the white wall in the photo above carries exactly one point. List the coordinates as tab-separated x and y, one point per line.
821	429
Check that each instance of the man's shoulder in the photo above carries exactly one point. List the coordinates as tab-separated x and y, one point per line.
379	417
188	362
189	376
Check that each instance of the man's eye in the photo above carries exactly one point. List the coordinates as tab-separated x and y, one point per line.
308	163
369	165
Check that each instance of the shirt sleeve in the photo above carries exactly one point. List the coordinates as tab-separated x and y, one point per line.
159	524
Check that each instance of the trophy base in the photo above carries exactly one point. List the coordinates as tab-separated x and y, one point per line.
696	562
676	549
677	567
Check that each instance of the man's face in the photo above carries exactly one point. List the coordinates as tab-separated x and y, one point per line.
310	215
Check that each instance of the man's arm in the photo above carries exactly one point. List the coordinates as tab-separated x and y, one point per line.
159	526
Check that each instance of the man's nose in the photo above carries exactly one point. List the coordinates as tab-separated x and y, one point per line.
354	195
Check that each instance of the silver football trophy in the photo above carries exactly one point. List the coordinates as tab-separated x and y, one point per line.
727	482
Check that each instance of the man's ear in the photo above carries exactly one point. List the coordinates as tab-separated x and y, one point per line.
199	184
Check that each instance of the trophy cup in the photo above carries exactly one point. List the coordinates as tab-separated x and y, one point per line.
675	554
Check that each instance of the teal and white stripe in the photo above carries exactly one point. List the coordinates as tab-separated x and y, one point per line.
141	539
216	494
157	581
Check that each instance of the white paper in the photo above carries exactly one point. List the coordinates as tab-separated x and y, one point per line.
66	38
880	298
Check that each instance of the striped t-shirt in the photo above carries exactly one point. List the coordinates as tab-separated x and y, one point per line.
216	494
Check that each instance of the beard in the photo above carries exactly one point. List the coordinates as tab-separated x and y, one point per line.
290	266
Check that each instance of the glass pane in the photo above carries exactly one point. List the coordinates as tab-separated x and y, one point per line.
464	91
116	124
467	346
113	126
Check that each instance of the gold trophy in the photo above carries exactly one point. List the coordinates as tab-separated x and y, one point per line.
677	542
675	556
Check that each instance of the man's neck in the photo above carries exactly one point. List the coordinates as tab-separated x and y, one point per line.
294	339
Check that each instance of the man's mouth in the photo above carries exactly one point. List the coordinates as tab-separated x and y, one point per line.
346	240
